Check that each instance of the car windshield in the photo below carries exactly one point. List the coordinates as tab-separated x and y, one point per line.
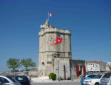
21	78
107	75
94	76
98	76
12	78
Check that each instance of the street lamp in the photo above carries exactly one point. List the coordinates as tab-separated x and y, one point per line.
53	59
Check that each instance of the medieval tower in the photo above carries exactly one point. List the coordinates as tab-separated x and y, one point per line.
54	57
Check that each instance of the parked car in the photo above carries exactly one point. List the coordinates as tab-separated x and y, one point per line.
4	80
90	79
106	79
93	80
24	80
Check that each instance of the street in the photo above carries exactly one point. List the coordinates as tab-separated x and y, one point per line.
57	83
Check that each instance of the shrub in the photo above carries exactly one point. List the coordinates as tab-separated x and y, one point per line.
52	76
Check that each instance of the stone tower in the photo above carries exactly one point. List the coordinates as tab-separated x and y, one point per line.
54	58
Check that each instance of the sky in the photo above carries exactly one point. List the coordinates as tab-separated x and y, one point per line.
88	20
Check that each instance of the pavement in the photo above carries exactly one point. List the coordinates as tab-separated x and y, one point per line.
60	83
45	79
47	82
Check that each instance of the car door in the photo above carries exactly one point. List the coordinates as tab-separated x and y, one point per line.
106	78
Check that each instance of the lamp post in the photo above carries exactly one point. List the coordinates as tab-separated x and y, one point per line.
53	64
53	59
58	70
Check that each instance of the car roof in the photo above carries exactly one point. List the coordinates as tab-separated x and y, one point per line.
6	78
3	76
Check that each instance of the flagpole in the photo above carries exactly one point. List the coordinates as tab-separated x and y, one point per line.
48	16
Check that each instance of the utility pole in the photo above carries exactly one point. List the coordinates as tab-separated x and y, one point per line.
53	59
64	72
58	69
53	64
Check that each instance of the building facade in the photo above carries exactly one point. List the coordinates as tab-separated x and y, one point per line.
95	66
108	66
54	57
77	68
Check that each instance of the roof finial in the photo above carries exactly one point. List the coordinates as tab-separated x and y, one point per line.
47	22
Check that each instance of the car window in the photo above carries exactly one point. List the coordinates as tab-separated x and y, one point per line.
3	80
107	75
21	78
92	76
11	78
98	76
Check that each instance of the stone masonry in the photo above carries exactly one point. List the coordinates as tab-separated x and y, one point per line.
54	58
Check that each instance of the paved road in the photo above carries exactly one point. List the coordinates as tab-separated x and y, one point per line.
57	83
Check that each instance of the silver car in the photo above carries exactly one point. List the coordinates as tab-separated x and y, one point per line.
4	80
106	79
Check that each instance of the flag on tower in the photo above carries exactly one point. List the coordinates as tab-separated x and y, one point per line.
50	14
54	42
57	41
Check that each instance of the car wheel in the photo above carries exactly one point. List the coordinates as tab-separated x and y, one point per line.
96	83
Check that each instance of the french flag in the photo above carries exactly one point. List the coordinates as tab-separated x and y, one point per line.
50	14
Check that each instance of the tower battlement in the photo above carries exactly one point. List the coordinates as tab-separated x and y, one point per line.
54	30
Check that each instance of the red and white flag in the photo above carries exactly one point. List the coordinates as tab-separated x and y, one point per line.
50	14
54	42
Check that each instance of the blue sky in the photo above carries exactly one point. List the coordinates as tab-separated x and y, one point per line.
88	20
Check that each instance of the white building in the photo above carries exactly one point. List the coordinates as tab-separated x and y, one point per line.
95	66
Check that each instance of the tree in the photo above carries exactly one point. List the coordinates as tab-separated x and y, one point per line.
28	63
13	63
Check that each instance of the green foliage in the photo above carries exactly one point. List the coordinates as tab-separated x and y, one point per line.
13	63
28	63
52	76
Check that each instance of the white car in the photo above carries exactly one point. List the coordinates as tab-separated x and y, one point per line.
4	80
95	80
106	79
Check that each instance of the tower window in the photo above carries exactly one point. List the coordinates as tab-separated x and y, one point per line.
42	63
